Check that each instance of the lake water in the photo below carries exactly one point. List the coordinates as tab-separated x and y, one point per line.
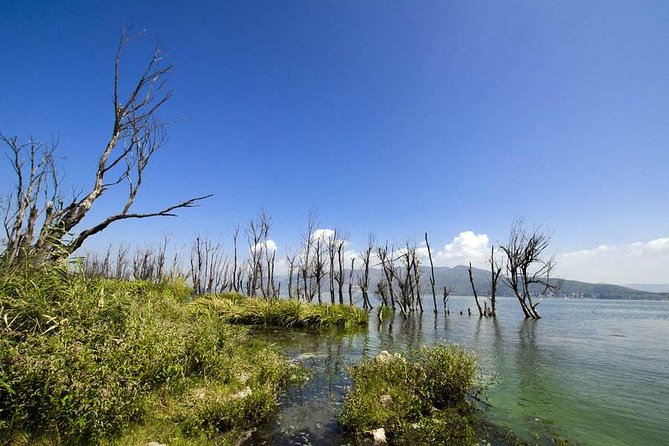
595	372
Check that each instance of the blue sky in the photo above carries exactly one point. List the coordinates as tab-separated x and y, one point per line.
387	117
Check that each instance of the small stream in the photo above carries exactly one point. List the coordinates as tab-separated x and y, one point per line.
591	371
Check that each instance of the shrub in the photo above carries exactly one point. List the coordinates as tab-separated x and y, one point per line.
84	358
416	402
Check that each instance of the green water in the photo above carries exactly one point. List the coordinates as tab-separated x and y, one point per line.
594	372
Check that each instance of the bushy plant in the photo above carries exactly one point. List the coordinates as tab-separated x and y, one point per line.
417	401
86	359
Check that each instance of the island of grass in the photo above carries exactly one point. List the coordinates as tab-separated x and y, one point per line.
89	360
423	400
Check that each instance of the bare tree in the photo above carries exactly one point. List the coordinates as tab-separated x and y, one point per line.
305	266
495	272
290	259
350	281
384	254
476	296
38	222
256	236
319	265
434	294
363	277
234	282
526	266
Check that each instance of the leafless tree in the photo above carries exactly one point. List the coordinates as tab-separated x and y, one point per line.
305	266
495	272
476	296
350	281
434	294
363	277
339	274
290	260
257	236
319	265
384	254
208	266
38	221
331	244
526	266
235	281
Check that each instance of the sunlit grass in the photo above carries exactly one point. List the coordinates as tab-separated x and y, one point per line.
288	313
86	361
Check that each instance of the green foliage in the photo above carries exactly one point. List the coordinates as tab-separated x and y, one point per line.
417	402
238	309
84	359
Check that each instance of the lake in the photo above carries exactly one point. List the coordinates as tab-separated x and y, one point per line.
595	372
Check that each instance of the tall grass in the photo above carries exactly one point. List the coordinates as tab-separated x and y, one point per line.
237	309
86	360
419	401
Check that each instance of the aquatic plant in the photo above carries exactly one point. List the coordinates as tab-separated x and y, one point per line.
416	401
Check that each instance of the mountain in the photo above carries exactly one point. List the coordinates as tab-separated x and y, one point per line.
650	287
456	279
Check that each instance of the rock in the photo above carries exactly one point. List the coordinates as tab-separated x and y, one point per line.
385	400
383	356
378	436
154	443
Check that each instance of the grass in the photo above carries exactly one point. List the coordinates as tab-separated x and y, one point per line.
237	309
87	361
419	401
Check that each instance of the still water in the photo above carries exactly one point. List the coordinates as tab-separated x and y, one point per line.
594	372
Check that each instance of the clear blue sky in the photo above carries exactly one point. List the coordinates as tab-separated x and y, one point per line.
392	117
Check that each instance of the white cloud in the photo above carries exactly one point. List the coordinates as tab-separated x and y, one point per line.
322	234
619	264
466	247
267	245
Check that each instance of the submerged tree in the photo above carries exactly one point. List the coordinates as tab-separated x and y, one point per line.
39	222
526	267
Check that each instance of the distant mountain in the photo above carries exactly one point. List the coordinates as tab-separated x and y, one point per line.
456	279
650	287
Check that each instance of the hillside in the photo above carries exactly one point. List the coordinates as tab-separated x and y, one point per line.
457	280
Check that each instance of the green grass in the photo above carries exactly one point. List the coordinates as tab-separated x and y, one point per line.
419	401
99	361
238	309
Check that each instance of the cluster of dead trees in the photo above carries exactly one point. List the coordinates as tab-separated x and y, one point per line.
42	224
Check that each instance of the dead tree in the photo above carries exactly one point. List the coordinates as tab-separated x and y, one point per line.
207	266
416	277
339	276
434	294
257	236
290	260
363	276
526	267
319	265
350	281
331	244
385	257
495	272
234	281
476	296
305	266
39	223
